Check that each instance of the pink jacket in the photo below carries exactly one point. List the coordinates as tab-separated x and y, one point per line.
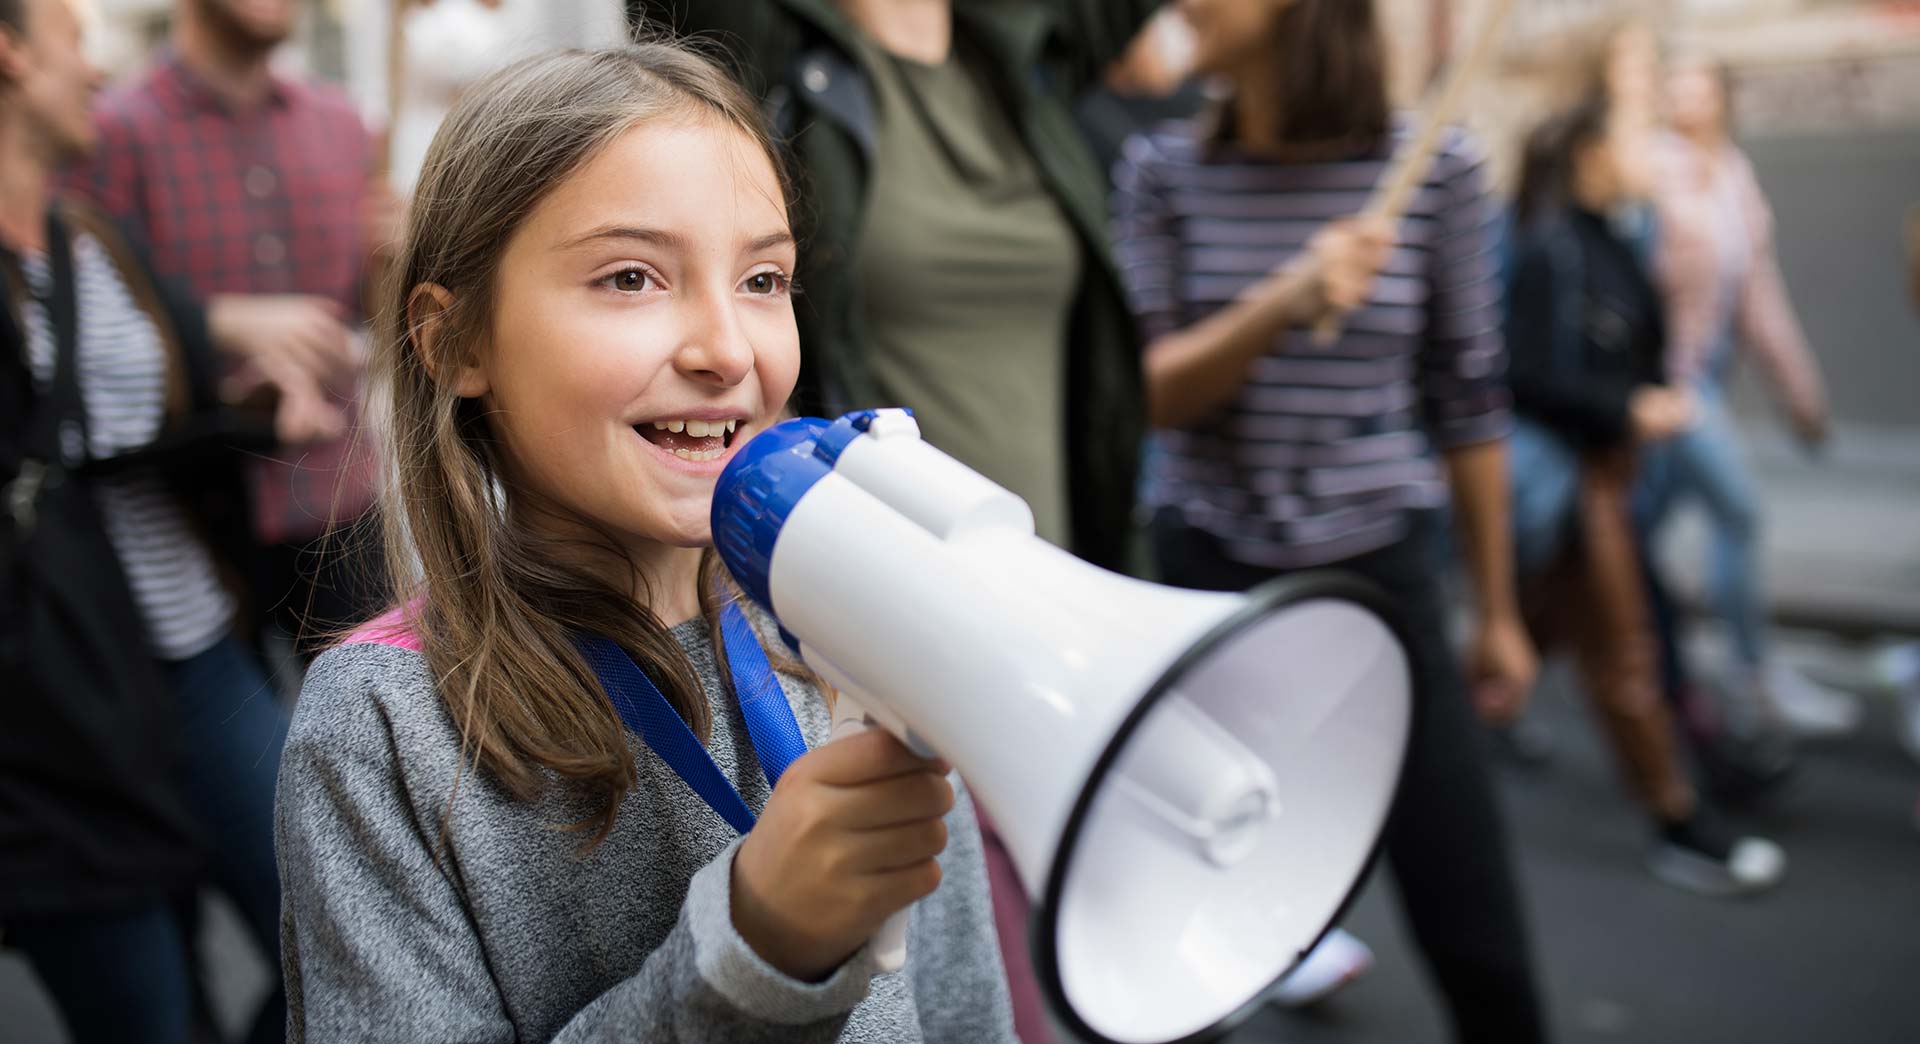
1705	215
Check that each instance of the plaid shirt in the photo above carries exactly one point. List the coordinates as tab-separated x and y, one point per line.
267	201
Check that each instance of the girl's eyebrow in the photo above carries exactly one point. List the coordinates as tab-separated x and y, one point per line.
670	240
771	240
656	236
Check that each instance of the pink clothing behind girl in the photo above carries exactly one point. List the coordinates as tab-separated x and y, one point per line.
1712	211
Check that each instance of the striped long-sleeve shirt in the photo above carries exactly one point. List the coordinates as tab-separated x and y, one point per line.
122	368
1325	450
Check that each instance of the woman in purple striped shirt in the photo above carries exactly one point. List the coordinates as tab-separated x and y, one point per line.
1278	453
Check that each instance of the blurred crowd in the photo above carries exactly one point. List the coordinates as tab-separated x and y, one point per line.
1130	265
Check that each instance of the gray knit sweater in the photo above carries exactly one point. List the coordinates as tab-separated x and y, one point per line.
515	936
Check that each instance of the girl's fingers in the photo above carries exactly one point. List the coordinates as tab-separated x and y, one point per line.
907	798
896	847
895	890
864	757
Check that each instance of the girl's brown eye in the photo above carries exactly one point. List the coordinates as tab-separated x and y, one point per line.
631	280
763	283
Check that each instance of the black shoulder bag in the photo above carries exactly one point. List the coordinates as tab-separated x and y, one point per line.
91	814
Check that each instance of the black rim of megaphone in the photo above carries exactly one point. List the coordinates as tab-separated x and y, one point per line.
1262	601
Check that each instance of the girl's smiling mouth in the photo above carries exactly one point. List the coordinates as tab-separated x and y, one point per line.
694	439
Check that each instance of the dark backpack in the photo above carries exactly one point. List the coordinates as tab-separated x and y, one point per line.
91	814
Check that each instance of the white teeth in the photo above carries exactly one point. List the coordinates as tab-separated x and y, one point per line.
697	428
699	455
683	454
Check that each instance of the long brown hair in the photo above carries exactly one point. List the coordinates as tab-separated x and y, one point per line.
493	603
1550	159
1332	66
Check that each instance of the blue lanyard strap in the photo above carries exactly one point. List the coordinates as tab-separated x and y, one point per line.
770	722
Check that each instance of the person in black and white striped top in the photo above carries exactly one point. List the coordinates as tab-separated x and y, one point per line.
111	949
1277	452
123	374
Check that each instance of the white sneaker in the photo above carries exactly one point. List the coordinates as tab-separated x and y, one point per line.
1700	856
1897	668
1807	708
1339	959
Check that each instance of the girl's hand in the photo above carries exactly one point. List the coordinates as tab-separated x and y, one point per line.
848	839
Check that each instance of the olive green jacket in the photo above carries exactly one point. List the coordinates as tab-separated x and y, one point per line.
799	56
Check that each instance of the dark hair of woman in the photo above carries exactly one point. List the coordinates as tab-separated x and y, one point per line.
1548	161
1332	77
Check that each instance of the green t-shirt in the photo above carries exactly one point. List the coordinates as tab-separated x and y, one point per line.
967	270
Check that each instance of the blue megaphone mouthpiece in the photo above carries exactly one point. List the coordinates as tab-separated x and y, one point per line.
760	486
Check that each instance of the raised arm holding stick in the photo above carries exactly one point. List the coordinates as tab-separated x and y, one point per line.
1410	168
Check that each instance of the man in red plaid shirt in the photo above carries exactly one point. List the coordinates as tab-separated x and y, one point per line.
259	192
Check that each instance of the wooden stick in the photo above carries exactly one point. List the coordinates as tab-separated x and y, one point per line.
1396	190
396	80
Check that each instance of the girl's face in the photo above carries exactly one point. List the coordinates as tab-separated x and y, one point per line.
643	330
1230	34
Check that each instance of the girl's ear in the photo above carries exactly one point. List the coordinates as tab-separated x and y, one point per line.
429	309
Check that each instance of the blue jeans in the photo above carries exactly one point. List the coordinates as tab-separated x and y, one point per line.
1709	462
1544	478
118	977
234	729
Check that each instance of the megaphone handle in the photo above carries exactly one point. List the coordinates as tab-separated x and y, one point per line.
889	944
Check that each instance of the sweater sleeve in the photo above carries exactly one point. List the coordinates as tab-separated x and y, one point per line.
378	945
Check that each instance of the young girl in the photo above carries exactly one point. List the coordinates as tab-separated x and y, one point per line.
1589	341
592	315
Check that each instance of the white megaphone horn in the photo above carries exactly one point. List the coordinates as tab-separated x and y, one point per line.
1191	784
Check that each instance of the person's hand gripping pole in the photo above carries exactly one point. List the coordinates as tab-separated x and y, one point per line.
1396	190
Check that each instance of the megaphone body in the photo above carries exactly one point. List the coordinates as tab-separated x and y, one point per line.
1191	784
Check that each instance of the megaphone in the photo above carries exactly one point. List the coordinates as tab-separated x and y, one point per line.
1190	784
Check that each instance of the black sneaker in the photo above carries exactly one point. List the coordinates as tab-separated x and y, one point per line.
1701	856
